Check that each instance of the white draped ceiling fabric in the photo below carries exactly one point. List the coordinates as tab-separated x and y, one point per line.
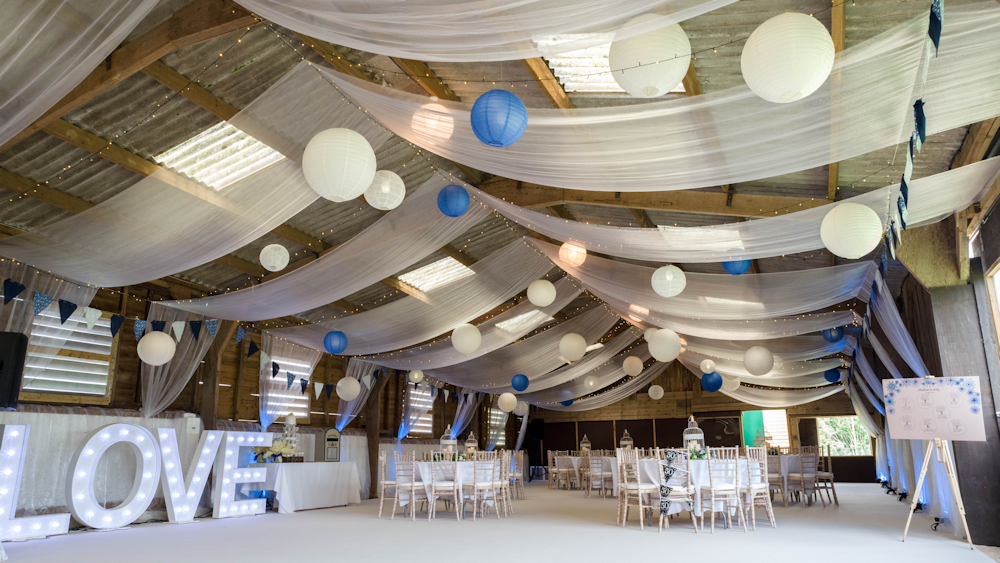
608	371
467	406
493	30
348	410
47	47
776	398
729	136
399	239
611	396
764	329
931	199
410	320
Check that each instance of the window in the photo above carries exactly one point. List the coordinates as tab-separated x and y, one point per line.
297	402
219	156
844	434
74	359
776	426
436	274
421	397
496	417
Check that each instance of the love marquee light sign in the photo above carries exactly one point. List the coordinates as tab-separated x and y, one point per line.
157	461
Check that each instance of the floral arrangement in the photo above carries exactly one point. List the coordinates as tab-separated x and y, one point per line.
697	453
278	449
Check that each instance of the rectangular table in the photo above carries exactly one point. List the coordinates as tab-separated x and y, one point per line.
303	486
609	465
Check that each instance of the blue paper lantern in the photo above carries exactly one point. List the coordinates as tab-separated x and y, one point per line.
335	342
711	382
566	403
833	334
453	200
832	375
736	267
499	118
519	382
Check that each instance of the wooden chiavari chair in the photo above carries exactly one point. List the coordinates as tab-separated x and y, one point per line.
804	480
384	483
483	485
444	486
681	489
775	482
757	489
565	473
596	477
408	483
633	487
824	476
723	485
553	477
517	473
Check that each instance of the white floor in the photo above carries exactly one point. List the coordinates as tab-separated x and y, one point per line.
547	526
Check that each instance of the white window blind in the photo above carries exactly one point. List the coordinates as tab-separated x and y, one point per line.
296	402
77	360
422	397
495	418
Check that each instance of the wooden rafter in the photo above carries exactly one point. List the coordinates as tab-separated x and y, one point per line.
426	78
547	83
643	218
838	18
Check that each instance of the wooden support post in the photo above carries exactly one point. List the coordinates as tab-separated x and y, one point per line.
213	364
372	432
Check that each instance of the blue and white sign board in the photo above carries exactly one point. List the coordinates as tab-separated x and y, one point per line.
949	408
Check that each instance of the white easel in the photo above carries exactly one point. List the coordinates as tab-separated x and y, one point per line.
943	456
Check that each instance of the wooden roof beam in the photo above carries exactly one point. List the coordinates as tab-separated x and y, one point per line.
426	79
547	83
838	19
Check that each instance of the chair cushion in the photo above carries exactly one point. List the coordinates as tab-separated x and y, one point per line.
719	487
387	482
824	474
444	483
798	476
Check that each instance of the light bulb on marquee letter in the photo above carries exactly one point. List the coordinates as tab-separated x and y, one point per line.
227	474
83	504
182	495
15	442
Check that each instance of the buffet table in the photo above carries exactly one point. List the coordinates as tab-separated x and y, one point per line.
303	486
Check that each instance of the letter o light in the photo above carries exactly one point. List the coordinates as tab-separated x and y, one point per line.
80	481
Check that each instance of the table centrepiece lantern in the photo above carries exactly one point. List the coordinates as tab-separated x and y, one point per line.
471	444
448	444
693	437
585	444
626	441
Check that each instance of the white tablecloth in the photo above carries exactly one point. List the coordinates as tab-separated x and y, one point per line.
466	474
302	486
609	465
650	472
790	464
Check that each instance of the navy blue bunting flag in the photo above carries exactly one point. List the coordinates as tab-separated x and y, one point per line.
158	326
920	121
240	334
195	329
253	349
901	205
65	310
934	27
883	263
116	324
275	368
304	384
329	390
139	327
904	191
11	289
291	379
212	325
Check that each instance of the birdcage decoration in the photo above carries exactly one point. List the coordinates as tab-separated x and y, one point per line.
585	444
448	444
471	444
626	441
694	438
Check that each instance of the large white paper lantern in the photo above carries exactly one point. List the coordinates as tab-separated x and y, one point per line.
572	347
348	388
507	402
665	345
541	293
274	257
669	281
653	63
707	366
415	376
573	254
521	409
156	348
466	338
386	191
655	392
339	164
851	230
632	366
787	58
434	121
648	335
730	383
591	382
758	360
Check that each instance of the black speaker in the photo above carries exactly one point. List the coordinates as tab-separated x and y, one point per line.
13	350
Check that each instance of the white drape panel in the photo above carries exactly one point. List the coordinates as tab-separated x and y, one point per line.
931	199
413	407
892	324
275	396
444	30
883	356
862	412
162	384
408	321
401	238
47	47
733	135
881	457
498	331
791	375
497	426
348	410
532	356
468	405
612	396
917	458
774	398
764	329
354	449
873	391
721	296
791	349
607	373
522	432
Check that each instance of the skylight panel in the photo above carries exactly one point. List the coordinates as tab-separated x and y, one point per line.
219	156
436	274
586	70
522	322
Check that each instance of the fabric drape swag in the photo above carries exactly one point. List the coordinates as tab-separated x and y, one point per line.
357	369
497	425
162	384
275	395
468	406
416	403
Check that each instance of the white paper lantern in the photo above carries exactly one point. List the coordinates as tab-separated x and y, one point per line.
434	121
648	335
591	382
665	346
707	366
348	388
156	348
851	230
466	338
339	164
521	409
274	257
415	376
758	360
787	58
573	254
632	366
730	383
386	191
669	281
655	392
507	402
653	63
541	293
572	347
